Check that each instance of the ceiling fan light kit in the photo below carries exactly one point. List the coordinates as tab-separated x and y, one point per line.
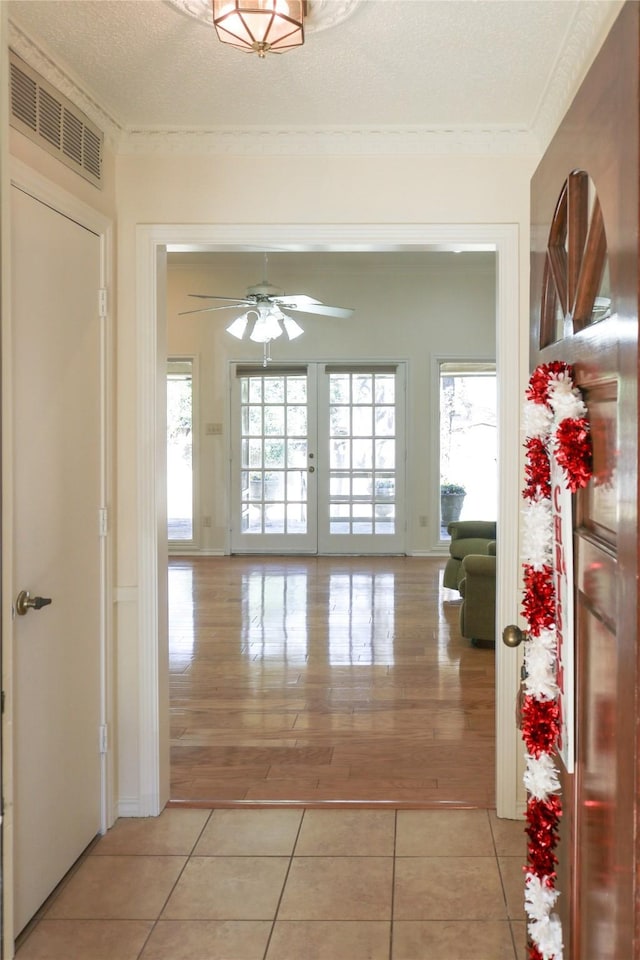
265	320
268	322
260	26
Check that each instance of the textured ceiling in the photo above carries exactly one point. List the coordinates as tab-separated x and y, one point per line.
453	64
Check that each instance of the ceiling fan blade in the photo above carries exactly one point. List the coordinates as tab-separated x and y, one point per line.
305	304
209	296
226	306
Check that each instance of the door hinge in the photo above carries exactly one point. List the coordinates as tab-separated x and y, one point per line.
102	302
103	522
104	739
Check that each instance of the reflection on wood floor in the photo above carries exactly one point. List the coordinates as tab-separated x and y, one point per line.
316	679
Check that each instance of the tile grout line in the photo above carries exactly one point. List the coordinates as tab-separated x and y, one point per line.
393	884
286	877
503	887
177	880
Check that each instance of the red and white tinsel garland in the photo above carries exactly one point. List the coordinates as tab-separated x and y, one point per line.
555	425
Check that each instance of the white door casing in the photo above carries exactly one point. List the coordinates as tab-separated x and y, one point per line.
511	364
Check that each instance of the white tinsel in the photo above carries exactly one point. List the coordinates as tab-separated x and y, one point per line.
565	400
540	663
541	776
537	533
544	927
539	897
547	936
536	419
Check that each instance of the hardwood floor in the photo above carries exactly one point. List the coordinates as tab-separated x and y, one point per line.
318	679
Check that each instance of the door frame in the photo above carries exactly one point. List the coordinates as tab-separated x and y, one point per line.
23	177
152	241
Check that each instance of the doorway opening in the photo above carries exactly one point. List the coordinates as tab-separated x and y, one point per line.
157	239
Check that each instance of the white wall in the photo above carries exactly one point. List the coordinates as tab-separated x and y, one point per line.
407	307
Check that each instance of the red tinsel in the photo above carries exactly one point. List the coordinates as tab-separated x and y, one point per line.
543	817
534	953
542	860
543	814
572	450
537	470
539	601
540	725
538	389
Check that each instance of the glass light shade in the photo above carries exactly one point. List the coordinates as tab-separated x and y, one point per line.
266	328
293	329
239	325
260	26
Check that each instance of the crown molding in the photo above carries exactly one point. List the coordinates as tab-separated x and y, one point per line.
591	24
333	141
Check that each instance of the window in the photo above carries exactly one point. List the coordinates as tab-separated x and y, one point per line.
180	450
468	440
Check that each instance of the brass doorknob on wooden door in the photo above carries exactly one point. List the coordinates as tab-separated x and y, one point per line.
512	636
25	602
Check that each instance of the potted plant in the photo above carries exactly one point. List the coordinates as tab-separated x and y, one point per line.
451	499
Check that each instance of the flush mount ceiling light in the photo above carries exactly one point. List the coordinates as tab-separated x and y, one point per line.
260	26
319	14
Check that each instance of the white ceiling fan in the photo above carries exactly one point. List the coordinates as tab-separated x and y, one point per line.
264	318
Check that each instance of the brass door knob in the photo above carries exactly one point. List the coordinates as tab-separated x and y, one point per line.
25	602
512	636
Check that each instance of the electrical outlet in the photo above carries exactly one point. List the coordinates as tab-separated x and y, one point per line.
206	521
422	520
213	429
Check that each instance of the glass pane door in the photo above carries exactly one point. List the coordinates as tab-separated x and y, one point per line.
274	461
317	461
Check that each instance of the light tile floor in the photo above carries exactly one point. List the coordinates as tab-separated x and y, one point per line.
292	884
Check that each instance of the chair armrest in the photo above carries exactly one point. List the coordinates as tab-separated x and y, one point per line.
479	565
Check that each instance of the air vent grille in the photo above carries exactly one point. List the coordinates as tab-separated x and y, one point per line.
49	119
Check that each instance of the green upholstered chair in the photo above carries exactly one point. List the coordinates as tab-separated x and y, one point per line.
478	590
467	537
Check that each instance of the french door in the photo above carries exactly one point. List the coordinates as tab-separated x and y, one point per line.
317	459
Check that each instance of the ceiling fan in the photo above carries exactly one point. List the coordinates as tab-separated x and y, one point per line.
265	304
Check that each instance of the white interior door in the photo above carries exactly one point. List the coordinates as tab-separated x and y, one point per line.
317	462
56	343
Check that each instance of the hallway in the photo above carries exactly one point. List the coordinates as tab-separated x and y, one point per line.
316	679
288	884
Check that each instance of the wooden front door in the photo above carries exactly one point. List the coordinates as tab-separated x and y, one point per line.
584	294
